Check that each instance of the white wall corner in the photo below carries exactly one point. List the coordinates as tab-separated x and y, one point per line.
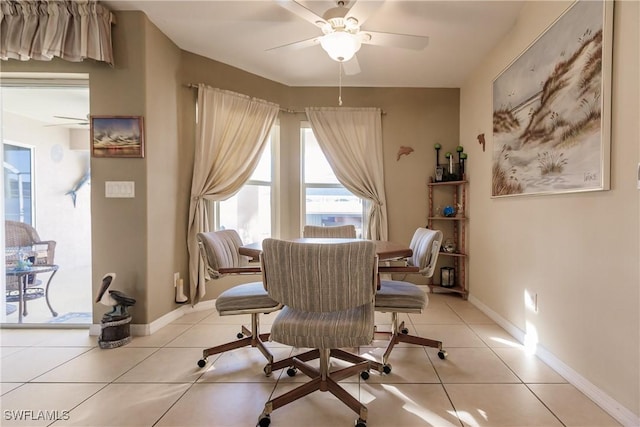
622	414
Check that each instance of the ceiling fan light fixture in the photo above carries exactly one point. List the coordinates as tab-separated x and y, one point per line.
340	45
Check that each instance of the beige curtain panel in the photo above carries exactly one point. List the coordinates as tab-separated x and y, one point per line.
231	133
351	139
42	30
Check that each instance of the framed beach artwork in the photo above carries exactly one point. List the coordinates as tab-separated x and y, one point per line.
117	136
552	108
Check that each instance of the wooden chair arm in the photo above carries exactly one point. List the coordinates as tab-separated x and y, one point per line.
398	269
240	270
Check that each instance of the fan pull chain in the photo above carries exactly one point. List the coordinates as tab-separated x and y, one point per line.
340	86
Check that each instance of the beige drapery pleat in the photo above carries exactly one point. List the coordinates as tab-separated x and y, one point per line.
351	139
42	30
231	133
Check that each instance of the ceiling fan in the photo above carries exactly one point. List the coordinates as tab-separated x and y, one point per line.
74	121
342	32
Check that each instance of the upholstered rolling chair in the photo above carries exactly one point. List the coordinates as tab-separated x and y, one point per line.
396	296
327	292
219	250
337	231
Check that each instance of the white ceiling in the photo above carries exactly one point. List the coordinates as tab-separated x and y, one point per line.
43	104
239	33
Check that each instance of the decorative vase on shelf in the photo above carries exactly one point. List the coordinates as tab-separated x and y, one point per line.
439	171
449	246
449	211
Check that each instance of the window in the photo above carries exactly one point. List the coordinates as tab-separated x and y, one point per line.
249	210
257	214
326	201
18	195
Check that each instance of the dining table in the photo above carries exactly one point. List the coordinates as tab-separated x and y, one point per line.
26	291
386	250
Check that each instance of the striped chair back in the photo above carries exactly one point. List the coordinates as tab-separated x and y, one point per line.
320	277
426	247
219	249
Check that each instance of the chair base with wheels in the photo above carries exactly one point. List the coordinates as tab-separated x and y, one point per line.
231	302
322	380
290	362
396	296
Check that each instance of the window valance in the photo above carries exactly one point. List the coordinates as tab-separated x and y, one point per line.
42	30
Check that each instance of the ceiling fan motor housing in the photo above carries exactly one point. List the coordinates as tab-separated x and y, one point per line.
338	21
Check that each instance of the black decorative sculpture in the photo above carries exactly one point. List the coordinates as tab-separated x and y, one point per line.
115	324
113	298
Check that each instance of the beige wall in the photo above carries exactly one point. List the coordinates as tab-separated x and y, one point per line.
167	196
584	269
579	252
120	225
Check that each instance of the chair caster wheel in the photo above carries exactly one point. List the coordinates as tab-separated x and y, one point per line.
202	363
292	372
240	335
442	354
361	423
386	369
364	375
405	331
267	370
264	421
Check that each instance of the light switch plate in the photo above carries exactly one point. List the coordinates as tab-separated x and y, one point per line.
119	189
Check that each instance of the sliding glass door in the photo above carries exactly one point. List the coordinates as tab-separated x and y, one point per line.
18	183
46	186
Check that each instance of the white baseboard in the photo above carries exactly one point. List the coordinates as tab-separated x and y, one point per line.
142	329
623	415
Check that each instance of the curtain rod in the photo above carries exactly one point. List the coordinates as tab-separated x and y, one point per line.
283	109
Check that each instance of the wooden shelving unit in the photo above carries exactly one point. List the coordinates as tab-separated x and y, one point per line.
454	227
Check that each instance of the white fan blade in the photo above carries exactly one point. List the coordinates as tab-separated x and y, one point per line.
304	13
70	118
363	9
351	67
405	41
298	45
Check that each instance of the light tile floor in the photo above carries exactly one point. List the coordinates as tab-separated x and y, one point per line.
486	380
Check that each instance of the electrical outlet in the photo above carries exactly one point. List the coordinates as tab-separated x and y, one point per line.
176	279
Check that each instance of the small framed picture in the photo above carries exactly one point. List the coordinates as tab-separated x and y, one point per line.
117	136
439	174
